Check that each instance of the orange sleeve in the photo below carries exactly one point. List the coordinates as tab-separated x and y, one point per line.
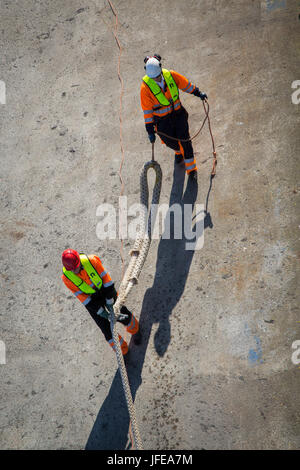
182	82
147	103
84	298
96	262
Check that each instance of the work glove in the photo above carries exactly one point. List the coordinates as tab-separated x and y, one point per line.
122	316
199	93
203	96
109	302
152	138
103	313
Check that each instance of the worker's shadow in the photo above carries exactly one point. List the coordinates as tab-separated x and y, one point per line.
110	430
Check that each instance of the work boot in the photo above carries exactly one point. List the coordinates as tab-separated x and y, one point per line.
178	158
193	175
133	326
123	344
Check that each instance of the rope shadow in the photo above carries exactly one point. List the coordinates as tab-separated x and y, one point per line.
110	430
207	218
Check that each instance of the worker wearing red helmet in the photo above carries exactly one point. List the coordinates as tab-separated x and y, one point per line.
164	112
92	285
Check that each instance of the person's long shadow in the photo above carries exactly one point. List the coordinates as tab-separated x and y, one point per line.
110	430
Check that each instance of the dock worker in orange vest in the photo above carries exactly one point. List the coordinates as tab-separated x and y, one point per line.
92	285
164	112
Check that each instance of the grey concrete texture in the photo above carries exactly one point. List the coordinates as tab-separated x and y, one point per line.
214	369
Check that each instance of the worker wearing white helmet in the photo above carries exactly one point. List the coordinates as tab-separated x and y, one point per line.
163	111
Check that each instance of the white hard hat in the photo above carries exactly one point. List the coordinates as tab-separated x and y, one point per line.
153	67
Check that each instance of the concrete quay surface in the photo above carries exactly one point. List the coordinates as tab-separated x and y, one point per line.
214	369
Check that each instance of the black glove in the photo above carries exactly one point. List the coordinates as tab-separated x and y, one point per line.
199	93
152	138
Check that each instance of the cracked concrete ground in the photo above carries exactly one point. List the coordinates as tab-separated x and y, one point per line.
214	370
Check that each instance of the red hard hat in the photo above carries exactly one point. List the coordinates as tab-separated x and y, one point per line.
70	259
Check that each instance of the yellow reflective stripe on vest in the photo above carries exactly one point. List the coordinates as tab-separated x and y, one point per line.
157	91
84	287
171	84
91	272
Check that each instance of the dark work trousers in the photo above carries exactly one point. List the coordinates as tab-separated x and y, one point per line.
104	324
176	125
